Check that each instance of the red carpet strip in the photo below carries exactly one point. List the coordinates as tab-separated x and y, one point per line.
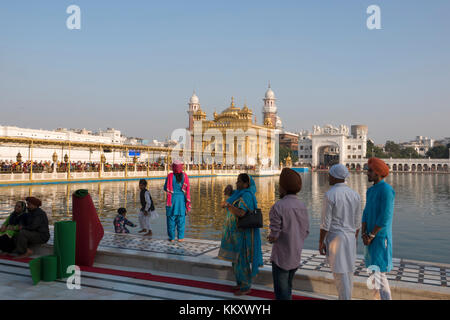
171	280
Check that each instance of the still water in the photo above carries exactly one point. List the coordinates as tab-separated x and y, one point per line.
421	226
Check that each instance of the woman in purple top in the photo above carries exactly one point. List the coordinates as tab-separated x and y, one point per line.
289	227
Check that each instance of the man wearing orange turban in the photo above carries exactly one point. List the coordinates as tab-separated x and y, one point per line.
377	226
379	167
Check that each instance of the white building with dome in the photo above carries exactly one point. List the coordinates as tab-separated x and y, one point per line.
270	109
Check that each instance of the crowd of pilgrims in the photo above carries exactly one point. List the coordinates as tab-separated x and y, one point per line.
7	166
10	166
341	223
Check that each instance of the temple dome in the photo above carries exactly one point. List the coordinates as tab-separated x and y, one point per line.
269	93
194	99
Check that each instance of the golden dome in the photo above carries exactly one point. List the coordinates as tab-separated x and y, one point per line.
245	109
268	122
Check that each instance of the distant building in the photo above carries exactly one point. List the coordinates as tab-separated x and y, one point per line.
290	141
328	145
44	153
420	144
110	136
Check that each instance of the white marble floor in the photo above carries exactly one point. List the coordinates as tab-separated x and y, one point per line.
16	283
418	272
426	273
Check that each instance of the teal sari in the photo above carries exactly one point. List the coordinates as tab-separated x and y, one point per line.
242	247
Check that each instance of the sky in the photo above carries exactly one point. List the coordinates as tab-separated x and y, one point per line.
133	65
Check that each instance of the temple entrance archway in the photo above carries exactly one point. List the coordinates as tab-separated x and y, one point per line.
326	152
328	155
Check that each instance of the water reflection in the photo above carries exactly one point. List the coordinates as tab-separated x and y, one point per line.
421	219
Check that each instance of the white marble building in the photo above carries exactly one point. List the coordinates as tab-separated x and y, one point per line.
420	144
44	153
328	144
110	136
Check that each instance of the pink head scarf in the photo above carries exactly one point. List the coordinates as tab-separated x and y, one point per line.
177	166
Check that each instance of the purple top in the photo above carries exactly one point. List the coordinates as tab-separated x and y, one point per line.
289	222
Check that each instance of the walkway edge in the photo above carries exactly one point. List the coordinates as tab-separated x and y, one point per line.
315	282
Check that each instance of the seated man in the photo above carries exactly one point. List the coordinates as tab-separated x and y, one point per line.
34	228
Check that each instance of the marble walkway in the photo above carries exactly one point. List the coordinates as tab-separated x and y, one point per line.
408	271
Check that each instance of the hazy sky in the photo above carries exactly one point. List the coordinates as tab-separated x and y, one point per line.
133	65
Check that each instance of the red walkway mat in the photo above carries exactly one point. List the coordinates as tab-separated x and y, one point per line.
264	294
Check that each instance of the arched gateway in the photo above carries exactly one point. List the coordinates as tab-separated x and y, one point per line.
326	152
329	145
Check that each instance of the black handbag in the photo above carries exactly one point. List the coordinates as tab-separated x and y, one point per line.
251	219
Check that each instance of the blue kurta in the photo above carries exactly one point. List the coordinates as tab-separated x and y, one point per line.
178	207
379	211
176	214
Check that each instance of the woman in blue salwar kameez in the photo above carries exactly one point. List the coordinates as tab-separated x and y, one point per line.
242	247
178	202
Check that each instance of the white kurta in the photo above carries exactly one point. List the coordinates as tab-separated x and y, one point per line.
144	220
341	217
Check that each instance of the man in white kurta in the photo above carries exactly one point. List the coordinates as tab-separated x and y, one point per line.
340	224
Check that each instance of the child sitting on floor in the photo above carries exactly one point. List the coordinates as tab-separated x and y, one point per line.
120	222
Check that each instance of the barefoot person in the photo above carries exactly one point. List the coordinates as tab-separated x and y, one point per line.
377	226
178	200
339	228
34	228
241	246
121	222
146	206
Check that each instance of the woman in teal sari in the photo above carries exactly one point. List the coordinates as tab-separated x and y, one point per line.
241	246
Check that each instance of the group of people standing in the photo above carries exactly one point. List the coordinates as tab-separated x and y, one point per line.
178	205
26	226
340	225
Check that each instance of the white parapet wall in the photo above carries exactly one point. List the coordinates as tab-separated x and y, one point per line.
65	177
406	165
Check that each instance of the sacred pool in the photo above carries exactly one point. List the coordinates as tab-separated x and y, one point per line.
420	227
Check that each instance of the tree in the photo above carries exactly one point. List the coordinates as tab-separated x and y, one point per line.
392	148
284	152
374	151
439	152
409	152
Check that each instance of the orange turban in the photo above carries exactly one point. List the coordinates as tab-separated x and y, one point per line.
379	166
